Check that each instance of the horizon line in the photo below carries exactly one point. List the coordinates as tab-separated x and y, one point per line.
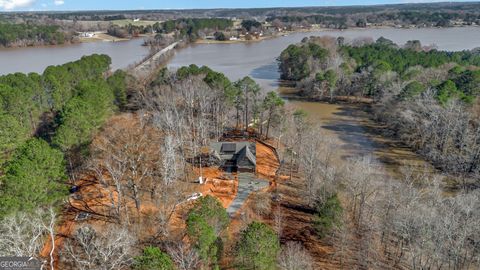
234	8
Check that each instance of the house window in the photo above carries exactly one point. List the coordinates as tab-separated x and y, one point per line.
228	148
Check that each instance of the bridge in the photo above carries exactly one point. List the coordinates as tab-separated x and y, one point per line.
144	68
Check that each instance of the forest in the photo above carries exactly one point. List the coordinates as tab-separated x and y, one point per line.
417	92
19	35
399	18
190	28
45	121
142	164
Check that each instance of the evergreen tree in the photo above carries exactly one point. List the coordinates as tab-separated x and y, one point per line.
153	258
33	178
257	248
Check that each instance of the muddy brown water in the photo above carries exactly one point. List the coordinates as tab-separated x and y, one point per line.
357	136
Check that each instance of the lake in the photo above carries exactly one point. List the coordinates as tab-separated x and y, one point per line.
258	59
36	59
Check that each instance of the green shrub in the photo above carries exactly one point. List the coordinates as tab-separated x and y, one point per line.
327	215
153	259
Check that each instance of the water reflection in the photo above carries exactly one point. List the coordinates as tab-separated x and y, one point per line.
268	73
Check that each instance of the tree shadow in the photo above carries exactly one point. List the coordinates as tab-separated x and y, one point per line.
266	72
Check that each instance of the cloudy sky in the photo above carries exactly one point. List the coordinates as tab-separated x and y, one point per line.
15	5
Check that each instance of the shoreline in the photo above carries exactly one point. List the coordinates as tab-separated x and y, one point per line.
104	37
321	29
81	40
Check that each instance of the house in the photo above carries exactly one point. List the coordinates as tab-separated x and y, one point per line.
87	34
236	156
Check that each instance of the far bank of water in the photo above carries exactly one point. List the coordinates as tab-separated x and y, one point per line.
36	59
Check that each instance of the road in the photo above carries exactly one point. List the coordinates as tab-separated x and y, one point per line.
247	183
146	66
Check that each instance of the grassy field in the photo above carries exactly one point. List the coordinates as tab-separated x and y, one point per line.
129	21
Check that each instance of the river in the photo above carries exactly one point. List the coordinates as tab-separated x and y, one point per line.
36	59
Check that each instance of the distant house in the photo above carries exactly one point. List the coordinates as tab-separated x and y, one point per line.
87	34
236	156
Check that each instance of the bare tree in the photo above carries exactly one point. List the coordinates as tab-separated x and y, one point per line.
22	234
49	226
27	235
278	221
262	203
185	257
92	249
294	257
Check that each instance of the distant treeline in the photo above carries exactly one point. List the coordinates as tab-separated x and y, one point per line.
187	28
191	27
13	35
246	13
324	20
404	18
427	18
129	30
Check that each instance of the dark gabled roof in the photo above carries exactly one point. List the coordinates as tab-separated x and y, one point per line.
245	158
242	153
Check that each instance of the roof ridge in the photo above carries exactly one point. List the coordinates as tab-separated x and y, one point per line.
250	155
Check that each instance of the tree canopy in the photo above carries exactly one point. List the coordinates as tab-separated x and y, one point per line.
31	34
153	258
258	247
296	61
190	27
34	177
400	59
84	113
205	223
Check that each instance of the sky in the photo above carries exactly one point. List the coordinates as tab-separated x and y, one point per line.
41	5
